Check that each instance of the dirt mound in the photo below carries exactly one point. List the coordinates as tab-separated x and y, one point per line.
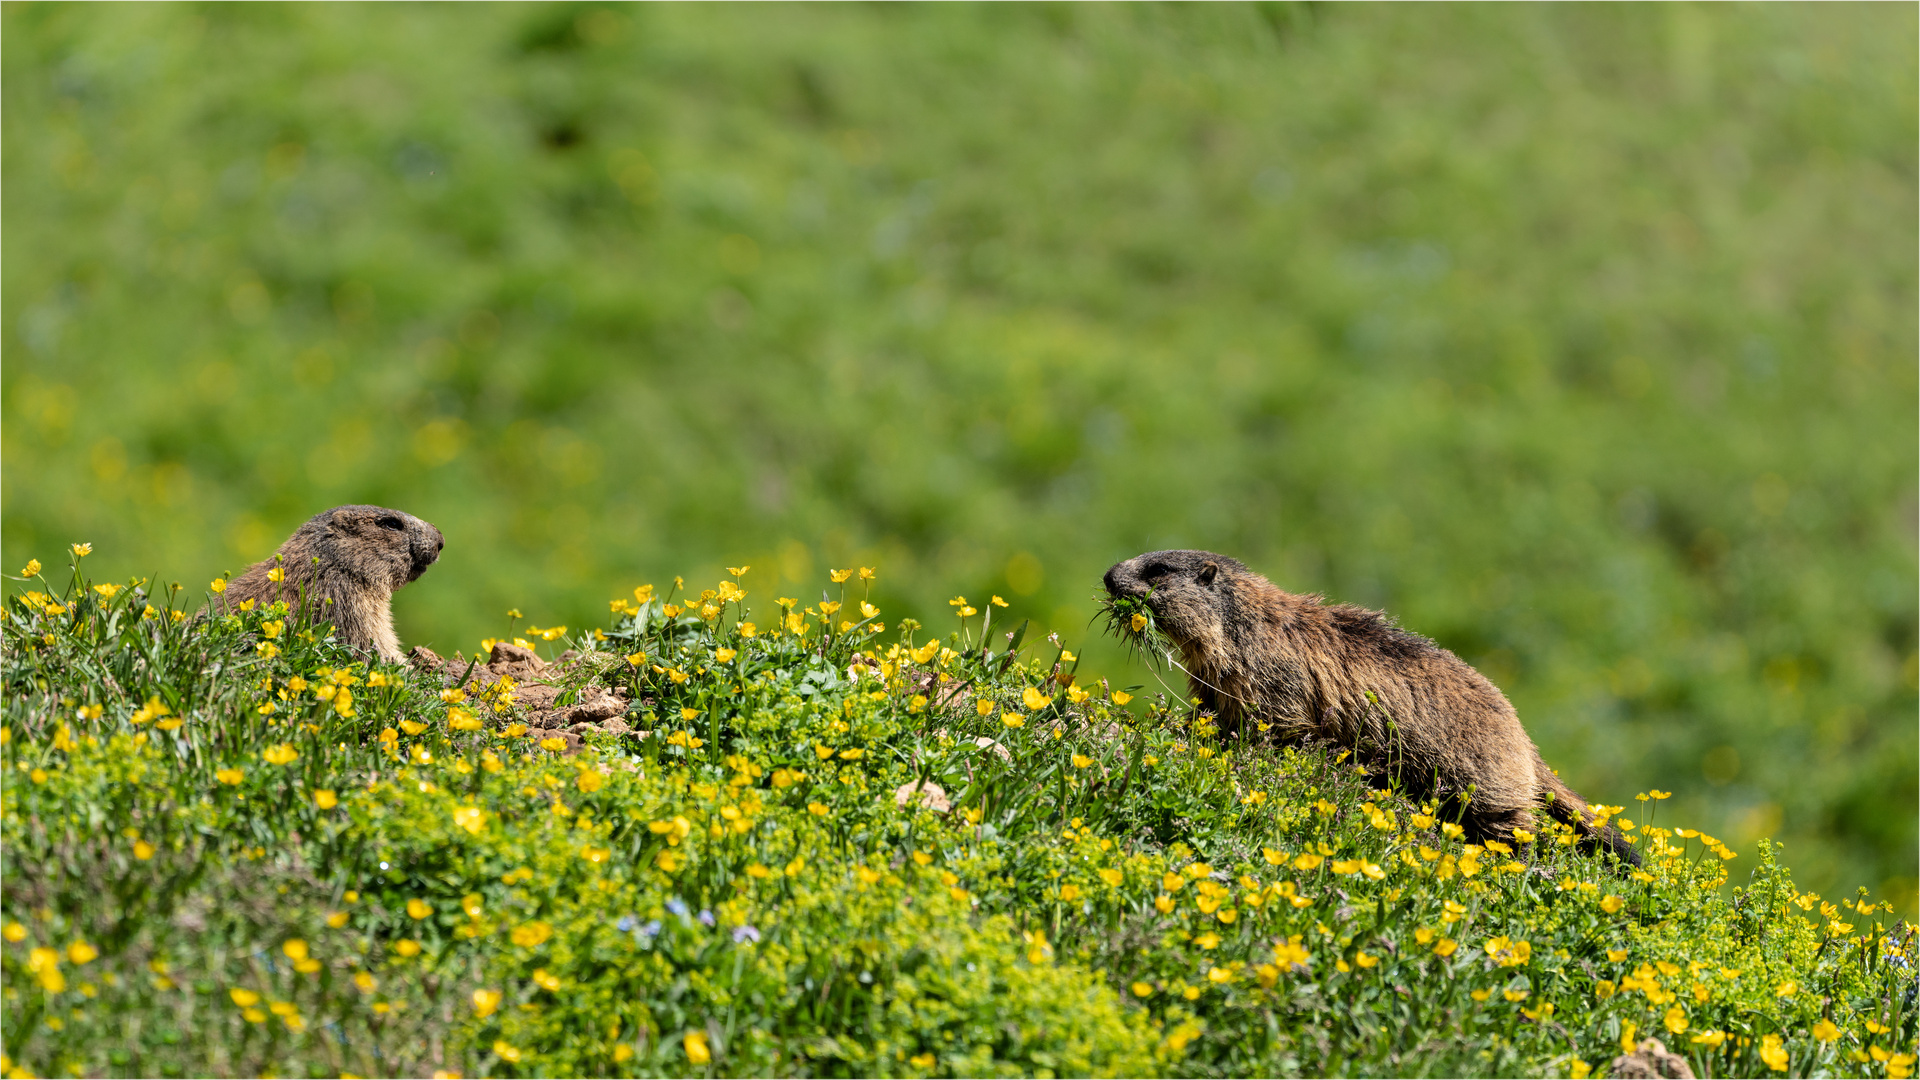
538	688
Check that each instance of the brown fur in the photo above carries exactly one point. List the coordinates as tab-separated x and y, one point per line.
1347	675
342	567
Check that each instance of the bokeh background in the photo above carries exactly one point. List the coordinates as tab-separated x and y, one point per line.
1581	337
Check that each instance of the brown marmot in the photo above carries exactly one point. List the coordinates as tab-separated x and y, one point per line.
1348	675
342	567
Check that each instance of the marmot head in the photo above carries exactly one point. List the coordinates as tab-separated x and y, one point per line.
381	547
1191	593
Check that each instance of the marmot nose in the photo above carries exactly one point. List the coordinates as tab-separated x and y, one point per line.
1113	579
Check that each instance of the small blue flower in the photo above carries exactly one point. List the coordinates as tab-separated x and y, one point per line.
677	906
745	933
651	929
626	924
706	917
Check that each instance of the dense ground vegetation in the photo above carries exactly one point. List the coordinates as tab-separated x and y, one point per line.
1579	336
831	848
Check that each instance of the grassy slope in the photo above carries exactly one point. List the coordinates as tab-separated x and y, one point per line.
1579	336
316	883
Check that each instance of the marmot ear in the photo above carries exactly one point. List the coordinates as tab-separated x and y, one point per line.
1208	572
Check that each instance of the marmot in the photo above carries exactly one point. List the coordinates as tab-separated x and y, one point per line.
1348	675
342	567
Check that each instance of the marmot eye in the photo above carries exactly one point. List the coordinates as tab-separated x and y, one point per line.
392	523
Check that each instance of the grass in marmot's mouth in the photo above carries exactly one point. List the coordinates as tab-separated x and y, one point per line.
233	847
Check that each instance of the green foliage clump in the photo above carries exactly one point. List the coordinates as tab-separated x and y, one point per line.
235	848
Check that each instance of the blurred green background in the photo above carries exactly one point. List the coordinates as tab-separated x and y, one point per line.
1581	337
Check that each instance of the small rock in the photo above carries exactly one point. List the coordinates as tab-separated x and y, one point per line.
536	695
507	654
425	659
615	726
999	751
600	706
1650	1061
929	795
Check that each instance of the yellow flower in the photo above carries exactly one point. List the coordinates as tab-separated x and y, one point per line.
1787	989
1113	876
1121	697
854	754
1291	955
1164	904
106	590
418	908
1508	953
244	998
696	1047
817	809
14	932
1208	940
1137	623
1081	761
1069	893
81	551
553	743
545	979
529	935
1307	861
1445	947
1825	1031
1773	1053
1611	904
279	755
460	719
1034	699
983	707
485	1001
506	1051
1013	720
32	569
295	949
229	776
82	953
471	818
276	574
1675	1020
142	850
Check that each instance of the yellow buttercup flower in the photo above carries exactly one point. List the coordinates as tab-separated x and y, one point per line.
486	1001
695	1044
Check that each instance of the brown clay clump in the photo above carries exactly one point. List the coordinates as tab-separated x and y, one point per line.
1312	671
342	567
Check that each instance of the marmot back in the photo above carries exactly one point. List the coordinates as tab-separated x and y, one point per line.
342	567
1348	675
